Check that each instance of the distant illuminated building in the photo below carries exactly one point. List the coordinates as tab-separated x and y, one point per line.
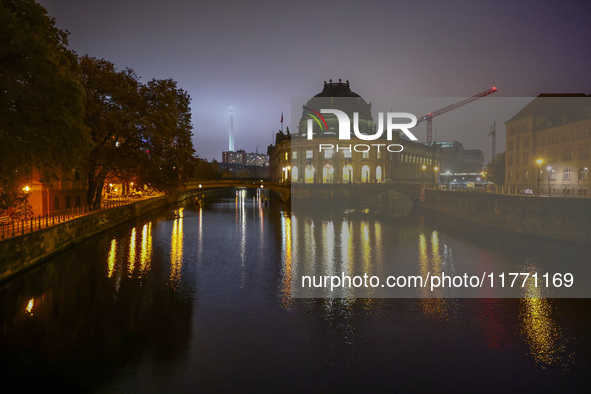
245	165
555	129
296	158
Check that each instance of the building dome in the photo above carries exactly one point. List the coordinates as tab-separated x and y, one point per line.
337	89
335	95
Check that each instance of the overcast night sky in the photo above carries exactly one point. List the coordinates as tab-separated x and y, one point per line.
256	56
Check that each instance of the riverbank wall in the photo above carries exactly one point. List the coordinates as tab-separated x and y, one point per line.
20	253
566	219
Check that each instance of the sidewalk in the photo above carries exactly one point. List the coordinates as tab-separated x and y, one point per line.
15	228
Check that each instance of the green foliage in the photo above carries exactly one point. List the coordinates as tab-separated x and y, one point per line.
495	170
41	98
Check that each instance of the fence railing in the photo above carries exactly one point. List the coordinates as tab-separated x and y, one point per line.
13	228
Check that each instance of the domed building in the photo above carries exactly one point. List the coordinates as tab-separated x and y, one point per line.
324	158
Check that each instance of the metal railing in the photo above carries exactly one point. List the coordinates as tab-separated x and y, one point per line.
14	228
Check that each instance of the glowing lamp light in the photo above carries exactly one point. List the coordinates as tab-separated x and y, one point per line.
539	161
424	167
30	306
549	168
262	186
26	189
200	186
436	168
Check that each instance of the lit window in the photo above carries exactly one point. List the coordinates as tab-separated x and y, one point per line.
286	156
294	155
328	154
309	154
584	173
347	153
366	154
567	174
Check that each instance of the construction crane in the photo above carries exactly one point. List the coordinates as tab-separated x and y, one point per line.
493	133
429	117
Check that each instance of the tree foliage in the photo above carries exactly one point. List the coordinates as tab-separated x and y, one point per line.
60	112
112	116
41	97
140	132
207	171
495	170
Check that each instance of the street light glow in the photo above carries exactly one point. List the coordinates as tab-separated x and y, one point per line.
424	167
539	161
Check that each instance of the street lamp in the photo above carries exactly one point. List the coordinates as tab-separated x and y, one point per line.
539	161
424	167
436	177
26	190
549	168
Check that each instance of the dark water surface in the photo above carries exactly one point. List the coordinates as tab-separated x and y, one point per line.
195	299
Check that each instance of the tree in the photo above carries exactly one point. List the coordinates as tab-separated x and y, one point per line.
140	133
207	171
495	170
167	135
41	98
113	118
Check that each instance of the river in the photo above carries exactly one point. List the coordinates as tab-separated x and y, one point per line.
199	298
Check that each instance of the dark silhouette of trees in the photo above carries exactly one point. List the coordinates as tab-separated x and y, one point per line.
41	99
140	133
495	170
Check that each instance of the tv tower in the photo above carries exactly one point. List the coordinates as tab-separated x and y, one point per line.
231	142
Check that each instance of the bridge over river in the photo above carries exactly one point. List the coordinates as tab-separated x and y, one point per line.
318	193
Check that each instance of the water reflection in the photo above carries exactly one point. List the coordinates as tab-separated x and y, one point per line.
546	340
131	260
146	252
432	303
30	305
286	258
112	258
246	318
176	250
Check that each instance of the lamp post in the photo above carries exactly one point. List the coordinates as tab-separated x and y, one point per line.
549	168
424	167
436	176
539	161
26	190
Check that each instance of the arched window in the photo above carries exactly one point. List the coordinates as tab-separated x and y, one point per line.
567	174
327	173
309	174
348	173
294	174
365	174
379	174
